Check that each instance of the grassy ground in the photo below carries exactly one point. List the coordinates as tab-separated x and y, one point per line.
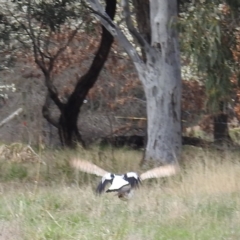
51	201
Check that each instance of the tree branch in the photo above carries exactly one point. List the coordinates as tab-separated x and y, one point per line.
46	113
126	14
62	49
11	116
41	63
40	57
29	31
116	32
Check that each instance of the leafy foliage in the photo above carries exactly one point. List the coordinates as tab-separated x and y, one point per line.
54	13
5	88
208	38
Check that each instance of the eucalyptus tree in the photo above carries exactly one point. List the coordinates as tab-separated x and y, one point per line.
208	33
159	71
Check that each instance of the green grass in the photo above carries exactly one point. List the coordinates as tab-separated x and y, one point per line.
52	201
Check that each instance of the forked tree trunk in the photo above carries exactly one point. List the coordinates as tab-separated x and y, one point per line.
159	74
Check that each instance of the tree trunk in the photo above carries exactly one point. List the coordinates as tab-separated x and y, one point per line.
220	129
220	126
159	74
68	129
162	86
163	95
143	21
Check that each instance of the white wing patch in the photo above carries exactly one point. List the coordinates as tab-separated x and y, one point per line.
132	174
108	176
118	182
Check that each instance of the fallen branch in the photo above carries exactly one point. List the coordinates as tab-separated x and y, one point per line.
12	116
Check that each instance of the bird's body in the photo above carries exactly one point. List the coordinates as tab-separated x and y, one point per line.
123	184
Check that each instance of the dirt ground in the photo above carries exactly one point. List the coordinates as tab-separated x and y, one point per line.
10	230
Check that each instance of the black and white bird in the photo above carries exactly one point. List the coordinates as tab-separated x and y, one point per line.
123	184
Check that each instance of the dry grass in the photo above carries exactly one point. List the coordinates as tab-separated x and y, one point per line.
52	201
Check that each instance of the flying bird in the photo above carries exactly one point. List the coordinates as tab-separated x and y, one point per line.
123	184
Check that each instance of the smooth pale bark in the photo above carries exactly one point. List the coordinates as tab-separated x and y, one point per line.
159	74
162	85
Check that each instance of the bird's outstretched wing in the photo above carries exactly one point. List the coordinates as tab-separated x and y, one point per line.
163	171
102	185
87	167
132	178
106	179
